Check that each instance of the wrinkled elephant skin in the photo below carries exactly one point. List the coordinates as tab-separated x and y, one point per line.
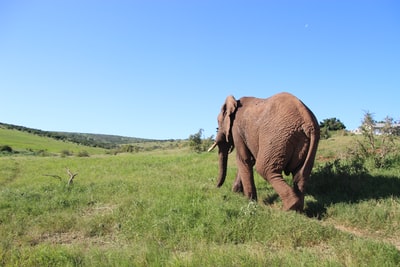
274	135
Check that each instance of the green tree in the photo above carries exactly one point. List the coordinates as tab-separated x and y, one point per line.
199	144
367	130
332	124
195	141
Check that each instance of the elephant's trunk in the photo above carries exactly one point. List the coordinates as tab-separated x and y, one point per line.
223	164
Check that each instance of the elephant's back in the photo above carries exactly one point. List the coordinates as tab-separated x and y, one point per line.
290	111
279	115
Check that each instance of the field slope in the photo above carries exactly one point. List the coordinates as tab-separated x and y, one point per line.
24	142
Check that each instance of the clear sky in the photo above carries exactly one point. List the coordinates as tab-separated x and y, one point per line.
162	68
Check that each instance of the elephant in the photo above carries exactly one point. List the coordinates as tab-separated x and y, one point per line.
277	134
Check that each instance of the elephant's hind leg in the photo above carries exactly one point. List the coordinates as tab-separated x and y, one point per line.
299	184
290	198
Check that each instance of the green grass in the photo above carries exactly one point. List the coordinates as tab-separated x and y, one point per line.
26	143
336	146
162	208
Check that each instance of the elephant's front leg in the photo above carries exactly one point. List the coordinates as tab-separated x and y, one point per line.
237	184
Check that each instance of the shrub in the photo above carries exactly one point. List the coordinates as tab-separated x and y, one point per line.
198	144
325	133
332	124
6	148
66	153
83	153
379	148
195	141
339	179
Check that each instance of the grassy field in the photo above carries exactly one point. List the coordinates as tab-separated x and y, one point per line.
26	143
162	208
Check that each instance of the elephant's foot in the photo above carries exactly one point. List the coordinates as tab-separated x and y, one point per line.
237	187
237	184
293	203
291	199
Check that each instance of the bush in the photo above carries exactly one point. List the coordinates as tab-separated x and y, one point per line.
6	148
379	148
325	133
42	153
83	153
338	180
332	124
195	141
66	153
198	144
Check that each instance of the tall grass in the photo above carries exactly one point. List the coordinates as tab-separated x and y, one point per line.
163	209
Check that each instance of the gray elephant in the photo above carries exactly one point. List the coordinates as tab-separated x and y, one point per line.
275	134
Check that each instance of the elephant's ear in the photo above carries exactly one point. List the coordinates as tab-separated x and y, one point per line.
230	109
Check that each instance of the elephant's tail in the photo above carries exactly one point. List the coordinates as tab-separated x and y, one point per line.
313	133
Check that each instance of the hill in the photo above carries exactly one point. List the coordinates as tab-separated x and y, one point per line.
22	142
86	139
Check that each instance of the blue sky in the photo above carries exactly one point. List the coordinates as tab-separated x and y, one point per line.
162	69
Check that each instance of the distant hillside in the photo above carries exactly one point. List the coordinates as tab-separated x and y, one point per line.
86	139
24	143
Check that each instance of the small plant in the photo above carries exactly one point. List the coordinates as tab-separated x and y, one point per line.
70	174
250	209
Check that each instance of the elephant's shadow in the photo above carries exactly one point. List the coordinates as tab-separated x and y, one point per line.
328	189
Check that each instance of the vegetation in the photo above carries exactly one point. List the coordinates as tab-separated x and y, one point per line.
6	148
332	124
26	143
161	208
379	148
85	139
328	125
198	143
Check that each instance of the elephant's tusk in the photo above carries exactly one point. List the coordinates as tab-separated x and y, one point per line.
212	147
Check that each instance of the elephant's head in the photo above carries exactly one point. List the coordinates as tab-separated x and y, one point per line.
224	139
